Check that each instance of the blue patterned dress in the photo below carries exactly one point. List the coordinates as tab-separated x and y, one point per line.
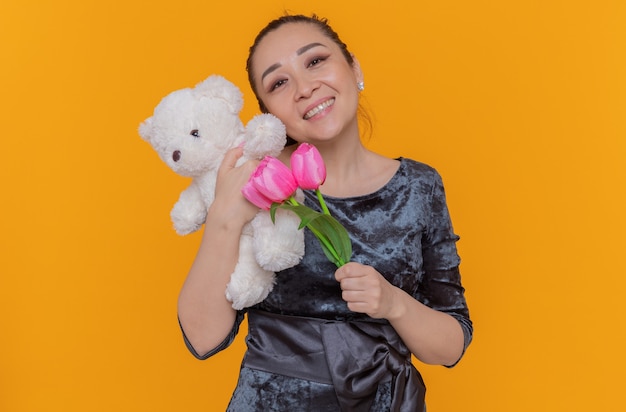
306	349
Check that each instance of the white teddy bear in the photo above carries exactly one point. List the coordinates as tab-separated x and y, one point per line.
191	130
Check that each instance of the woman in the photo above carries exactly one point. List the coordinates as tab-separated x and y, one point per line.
329	339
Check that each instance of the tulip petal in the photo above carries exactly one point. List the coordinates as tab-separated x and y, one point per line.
274	180
308	166
255	197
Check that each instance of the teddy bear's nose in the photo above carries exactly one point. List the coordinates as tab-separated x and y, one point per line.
176	155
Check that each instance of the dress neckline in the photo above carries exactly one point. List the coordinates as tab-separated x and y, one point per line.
374	193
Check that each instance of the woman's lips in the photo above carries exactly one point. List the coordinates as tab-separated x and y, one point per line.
318	108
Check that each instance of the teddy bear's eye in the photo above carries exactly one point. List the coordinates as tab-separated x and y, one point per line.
194	133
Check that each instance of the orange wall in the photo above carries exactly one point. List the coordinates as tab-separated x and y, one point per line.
520	105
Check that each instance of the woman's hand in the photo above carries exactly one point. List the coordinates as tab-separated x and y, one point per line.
366	290
439	338
229	203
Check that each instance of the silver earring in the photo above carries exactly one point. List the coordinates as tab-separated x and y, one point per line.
360	86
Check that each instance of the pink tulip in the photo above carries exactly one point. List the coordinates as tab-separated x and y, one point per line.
308	167
271	182
255	197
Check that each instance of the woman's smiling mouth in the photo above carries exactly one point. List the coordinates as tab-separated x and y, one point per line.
319	108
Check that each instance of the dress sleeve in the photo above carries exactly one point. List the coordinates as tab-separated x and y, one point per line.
225	343
440	287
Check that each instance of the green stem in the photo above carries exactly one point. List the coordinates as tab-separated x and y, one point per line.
321	200
338	261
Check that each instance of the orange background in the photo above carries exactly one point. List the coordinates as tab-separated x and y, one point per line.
519	104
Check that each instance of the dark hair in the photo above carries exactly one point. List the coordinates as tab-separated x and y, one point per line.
319	22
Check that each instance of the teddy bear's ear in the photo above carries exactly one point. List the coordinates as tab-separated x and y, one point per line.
218	87
145	129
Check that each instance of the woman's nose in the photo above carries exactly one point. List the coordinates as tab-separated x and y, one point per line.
305	88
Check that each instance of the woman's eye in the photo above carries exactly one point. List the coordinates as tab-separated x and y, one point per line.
278	84
316	61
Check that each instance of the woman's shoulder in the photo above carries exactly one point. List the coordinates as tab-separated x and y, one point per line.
415	169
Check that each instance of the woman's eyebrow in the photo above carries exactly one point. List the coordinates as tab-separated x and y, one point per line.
270	69
299	52
307	47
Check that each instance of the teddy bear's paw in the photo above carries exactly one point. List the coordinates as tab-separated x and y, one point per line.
184	227
189	213
278	245
265	136
278	259
249	286
281	252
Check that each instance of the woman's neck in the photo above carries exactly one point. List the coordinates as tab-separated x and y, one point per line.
355	171
351	168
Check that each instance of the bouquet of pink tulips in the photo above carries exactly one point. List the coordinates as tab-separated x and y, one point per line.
273	185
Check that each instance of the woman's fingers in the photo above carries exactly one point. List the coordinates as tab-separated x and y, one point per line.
230	159
364	289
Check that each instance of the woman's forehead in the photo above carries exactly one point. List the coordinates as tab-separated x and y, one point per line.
287	41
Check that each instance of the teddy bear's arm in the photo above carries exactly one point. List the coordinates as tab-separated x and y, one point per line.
265	136
189	212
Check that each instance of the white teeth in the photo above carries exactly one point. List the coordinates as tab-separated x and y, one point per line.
318	108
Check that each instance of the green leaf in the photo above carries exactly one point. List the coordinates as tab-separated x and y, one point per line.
336	235
273	211
305	213
332	235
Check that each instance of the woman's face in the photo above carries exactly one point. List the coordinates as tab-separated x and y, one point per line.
303	78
